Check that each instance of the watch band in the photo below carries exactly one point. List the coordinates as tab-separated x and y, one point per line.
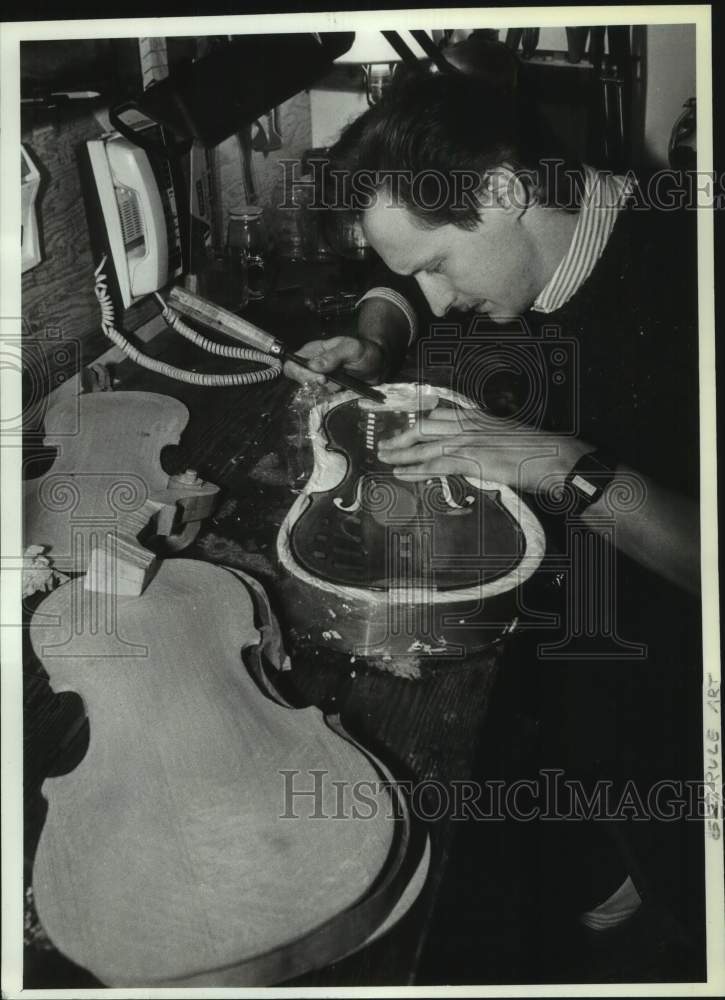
589	478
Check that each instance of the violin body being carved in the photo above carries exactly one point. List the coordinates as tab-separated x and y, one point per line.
166	855
107	467
374	541
196	843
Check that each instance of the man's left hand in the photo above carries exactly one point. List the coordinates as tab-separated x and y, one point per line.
477	445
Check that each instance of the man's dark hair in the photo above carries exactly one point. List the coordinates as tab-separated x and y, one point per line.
434	138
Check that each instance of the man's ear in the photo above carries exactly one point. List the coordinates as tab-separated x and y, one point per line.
504	187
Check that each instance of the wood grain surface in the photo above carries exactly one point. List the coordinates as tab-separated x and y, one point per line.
58	297
61	317
425	721
165	854
106	467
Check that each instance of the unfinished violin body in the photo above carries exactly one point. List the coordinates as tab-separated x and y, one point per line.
107	464
197	842
373	541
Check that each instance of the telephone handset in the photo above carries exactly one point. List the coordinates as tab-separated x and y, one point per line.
132	122
135	194
133	214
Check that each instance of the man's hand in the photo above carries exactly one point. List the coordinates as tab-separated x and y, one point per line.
475	444
373	355
661	532
357	356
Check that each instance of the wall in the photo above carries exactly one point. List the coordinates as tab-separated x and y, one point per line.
670	80
60	311
667	80
333	109
61	317
58	299
268	175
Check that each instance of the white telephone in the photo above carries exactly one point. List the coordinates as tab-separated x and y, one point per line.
134	223
140	216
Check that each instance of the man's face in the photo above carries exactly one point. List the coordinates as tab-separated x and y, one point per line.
491	269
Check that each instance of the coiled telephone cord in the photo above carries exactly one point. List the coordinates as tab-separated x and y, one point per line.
108	321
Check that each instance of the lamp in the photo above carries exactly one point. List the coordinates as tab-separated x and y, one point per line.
379	58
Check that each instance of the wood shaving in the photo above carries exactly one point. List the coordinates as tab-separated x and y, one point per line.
39	573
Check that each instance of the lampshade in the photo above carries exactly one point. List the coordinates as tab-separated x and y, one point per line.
371	47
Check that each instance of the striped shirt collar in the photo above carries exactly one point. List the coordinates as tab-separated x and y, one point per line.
604	197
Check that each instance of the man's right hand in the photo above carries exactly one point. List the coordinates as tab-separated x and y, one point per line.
374	355
357	356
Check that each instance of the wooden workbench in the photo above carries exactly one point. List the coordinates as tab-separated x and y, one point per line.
424	717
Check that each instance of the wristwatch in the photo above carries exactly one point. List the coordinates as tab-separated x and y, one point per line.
589	479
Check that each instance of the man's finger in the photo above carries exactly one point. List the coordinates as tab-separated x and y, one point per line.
444	465
415	453
428	429
324	356
336	353
477	421
300	374
405	439
447	413
311	349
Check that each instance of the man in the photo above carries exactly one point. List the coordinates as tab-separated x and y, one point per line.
504	257
464	208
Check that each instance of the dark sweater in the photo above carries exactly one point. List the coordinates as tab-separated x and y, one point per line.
635	324
633	329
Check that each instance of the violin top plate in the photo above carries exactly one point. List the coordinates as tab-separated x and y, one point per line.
359	530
